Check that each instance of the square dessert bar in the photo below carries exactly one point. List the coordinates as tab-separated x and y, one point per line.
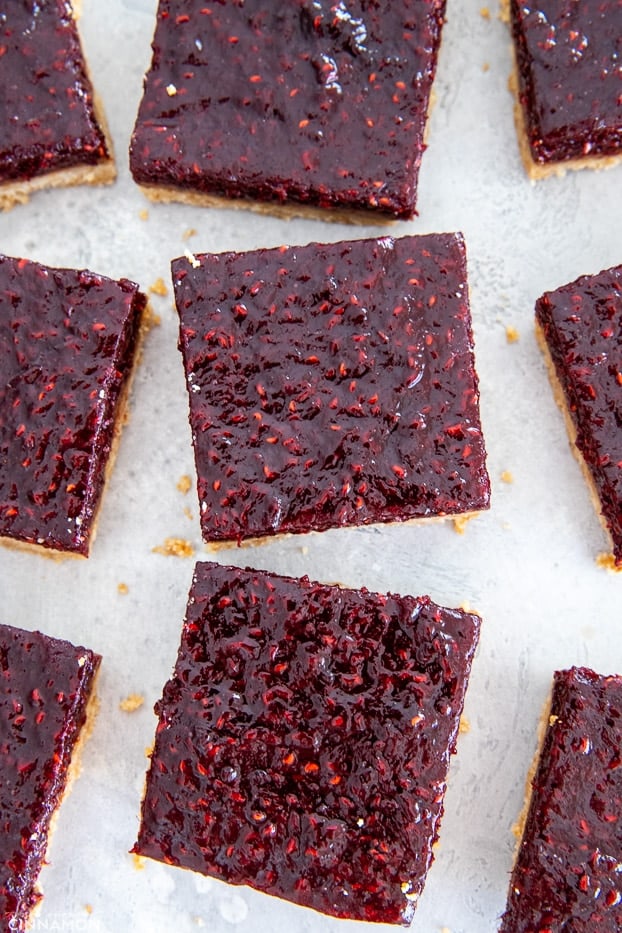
68	342
568	83
46	703
297	103
51	129
331	385
580	330
568	870
304	740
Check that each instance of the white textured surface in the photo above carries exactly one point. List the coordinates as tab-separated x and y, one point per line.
528	565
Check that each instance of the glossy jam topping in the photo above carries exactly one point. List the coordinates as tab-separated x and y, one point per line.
331	385
47	121
45	684
315	101
304	739
582	326
67	342
568	871
569	71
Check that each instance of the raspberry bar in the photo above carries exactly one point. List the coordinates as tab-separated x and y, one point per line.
567	82
580	333
51	131
568	871
68	342
46	700
331	385
304	740
297	104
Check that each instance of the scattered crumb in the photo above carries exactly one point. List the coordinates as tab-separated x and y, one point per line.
445	930
150	318
553	719
171	90
139	861
123	589
131	703
88	908
174	547
159	287
184	484
188	514
144	214
511	334
188	233
465	725
506	526
460	523
608	562
304	550
484	12
485	67
192	259
507	477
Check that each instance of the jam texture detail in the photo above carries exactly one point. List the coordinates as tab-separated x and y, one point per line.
67	341
45	684
582	326
47	120
314	101
569	57
304	739
568	871
331	385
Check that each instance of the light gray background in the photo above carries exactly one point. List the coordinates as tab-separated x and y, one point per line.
528	566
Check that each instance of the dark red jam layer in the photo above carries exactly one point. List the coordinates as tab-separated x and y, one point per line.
568	875
47	121
45	685
331	385
304	739
307	100
582	325
568	56
67	342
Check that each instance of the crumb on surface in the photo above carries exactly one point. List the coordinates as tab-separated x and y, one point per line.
506	477
184	484
506	526
123	589
139	861
460	523
159	287
465	725
607	561
553	719
511	334
171	90
484	12
131	702
192	259
88	908
188	233
174	547
188	514
144	214
485	67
